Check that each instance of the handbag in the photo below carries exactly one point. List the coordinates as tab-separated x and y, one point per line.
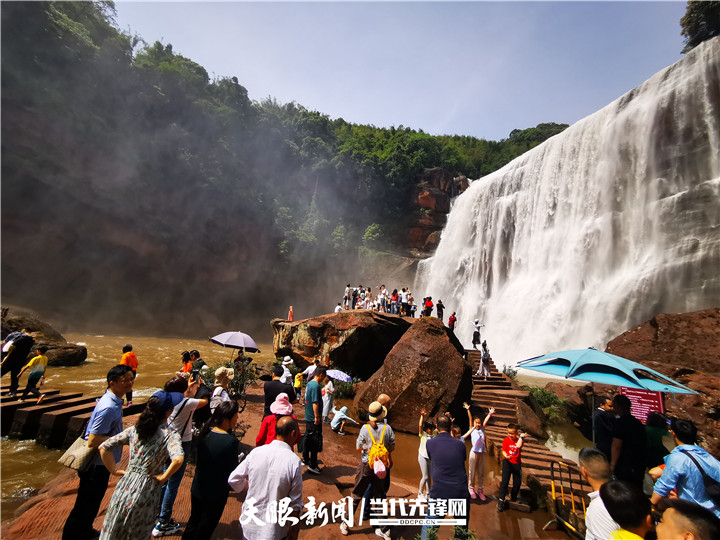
79	456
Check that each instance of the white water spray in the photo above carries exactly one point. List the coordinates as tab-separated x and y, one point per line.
603	226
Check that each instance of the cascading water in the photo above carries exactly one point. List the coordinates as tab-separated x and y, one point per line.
599	228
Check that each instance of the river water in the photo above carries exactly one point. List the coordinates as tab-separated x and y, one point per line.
27	466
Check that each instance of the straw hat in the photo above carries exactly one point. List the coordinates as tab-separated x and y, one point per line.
287	361
224	375
376	411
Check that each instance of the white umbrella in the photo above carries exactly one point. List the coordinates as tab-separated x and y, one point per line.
236	340
339	375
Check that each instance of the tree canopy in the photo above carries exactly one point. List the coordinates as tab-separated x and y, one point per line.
700	23
159	183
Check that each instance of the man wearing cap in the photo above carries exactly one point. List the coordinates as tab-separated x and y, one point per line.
447	469
276	386
105	421
286	377
375	431
271	473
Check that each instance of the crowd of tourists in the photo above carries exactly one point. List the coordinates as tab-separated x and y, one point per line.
383	300
640	488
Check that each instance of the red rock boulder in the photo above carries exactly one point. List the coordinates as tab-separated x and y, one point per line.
354	341
425	369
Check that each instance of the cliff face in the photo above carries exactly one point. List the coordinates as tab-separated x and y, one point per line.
690	341
435	189
686	347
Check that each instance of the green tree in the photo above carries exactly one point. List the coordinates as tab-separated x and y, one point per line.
700	23
373	237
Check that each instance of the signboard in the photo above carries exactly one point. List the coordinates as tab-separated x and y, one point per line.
643	402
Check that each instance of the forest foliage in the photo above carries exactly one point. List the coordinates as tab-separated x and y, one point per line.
143	137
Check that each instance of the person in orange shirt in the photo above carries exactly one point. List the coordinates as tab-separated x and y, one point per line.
187	362
129	358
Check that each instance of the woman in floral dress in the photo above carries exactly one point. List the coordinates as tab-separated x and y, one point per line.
135	502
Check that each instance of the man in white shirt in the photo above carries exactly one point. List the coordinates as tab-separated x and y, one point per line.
271	473
338	308
595	468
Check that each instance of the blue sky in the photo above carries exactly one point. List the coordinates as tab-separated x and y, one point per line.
467	68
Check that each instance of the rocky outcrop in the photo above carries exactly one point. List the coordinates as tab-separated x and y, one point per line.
353	341
435	190
686	339
424	369
60	352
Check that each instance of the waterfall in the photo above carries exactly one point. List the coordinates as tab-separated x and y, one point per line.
596	230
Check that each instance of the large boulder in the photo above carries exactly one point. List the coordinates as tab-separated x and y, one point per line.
354	341
60	352
425	369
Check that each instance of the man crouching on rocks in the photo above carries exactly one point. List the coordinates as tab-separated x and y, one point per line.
376	442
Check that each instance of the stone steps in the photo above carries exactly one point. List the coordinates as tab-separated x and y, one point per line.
537	459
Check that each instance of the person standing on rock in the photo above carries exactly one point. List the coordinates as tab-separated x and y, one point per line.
18	345
129	358
105	422
440	309
476	334
451	322
313	421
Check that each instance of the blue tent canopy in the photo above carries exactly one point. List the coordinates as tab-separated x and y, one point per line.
596	366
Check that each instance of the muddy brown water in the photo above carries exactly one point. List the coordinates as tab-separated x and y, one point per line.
26	466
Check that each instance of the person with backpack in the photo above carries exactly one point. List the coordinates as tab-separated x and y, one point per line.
375	442
484	367
690	470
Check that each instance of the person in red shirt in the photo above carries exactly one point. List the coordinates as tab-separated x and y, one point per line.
511	465
279	408
451	322
129	358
